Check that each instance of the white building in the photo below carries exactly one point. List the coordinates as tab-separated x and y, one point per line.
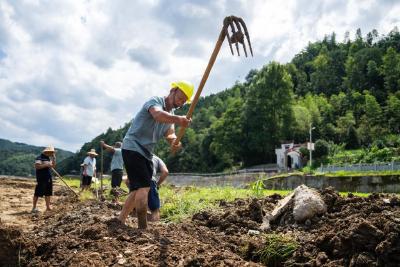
289	156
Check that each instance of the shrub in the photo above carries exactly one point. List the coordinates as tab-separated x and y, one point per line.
321	148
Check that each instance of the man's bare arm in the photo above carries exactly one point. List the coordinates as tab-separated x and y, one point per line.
170	135
163	175
107	147
165	117
42	165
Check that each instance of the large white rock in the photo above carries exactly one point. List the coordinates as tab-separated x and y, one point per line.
307	203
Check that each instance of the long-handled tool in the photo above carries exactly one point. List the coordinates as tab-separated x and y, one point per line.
101	173
59	176
238	35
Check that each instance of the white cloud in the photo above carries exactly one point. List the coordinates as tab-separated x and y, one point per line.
71	69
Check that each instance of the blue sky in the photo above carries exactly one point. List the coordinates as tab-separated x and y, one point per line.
71	69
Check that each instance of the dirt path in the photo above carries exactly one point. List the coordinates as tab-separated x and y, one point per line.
16	202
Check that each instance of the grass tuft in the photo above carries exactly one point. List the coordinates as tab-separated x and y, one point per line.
277	249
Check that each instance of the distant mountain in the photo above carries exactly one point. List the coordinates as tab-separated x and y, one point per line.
18	158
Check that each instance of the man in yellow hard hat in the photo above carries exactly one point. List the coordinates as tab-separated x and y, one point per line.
154	121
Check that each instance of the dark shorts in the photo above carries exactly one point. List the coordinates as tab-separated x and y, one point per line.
154	198
116	178
86	180
138	168
44	188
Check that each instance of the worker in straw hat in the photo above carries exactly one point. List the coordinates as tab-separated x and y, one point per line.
154	121
44	187
89	169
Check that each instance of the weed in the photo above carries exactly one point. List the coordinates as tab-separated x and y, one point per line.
257	187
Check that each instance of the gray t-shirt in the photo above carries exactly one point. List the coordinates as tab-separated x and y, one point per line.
145	131
157	164
117	163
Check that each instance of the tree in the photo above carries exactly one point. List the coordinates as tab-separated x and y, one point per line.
302	122
343	127
228	134
370	127
324	78
393	113
299	79
373	110
391	70
268	114
321	149
371	37
361	71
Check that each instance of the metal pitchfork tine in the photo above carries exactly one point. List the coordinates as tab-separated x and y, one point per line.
237	34
236	26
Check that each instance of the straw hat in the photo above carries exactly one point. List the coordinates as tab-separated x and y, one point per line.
92	152
49	149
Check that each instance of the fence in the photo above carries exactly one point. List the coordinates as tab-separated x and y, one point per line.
388	166
268	169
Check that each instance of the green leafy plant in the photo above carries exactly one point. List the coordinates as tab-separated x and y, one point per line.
257	187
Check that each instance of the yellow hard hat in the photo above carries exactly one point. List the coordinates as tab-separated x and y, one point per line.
186	87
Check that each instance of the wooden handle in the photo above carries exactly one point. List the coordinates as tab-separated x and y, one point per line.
59	176
201	85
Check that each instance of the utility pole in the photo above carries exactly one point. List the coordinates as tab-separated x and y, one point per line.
311	144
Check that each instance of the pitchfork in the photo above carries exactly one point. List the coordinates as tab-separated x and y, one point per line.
237	26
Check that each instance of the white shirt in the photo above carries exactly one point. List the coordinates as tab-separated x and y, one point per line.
90	164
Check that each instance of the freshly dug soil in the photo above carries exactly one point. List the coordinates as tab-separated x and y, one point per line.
354	232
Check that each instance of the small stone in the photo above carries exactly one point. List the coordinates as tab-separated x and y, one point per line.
128	252
253	232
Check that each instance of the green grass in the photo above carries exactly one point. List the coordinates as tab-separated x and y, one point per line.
74	183
344	194
277	249
179	203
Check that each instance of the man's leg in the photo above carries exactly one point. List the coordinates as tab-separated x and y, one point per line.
128	206
154	202
83	183
114	188
47	199
141	206
119	174
35	200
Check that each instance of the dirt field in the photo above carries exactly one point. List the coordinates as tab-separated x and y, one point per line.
355	232
16	202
